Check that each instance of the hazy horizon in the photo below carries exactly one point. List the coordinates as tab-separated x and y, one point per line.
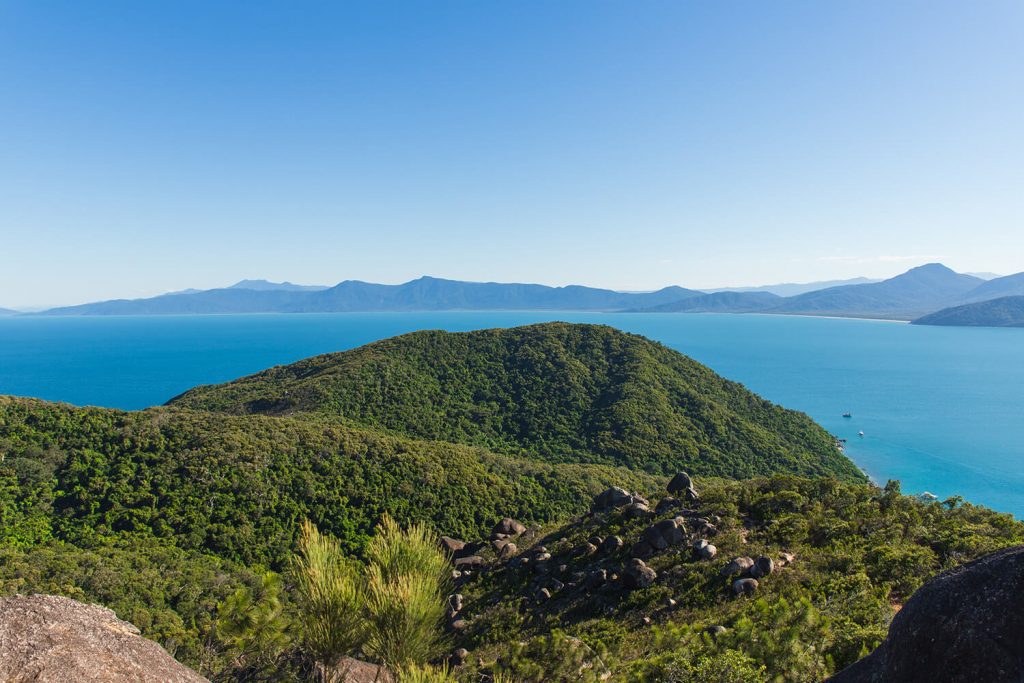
149	149
239	281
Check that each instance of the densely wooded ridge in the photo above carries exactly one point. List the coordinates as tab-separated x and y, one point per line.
555	392
174	516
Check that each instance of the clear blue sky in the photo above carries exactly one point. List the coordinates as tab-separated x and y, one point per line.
147	147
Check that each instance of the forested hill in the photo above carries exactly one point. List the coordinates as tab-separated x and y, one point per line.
557	392
1007	311
237	486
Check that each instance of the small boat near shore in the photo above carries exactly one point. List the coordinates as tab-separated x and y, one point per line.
847	414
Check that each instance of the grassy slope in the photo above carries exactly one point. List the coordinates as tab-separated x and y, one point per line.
556	392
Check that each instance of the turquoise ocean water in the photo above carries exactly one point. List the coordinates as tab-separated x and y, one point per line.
942	409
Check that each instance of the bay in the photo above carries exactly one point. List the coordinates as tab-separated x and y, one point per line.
942	409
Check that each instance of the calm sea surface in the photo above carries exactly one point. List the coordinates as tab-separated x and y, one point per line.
942	409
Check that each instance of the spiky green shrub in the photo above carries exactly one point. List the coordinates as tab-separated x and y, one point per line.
410	552
405	597
555	657
332	599
728	666
413	673
252	626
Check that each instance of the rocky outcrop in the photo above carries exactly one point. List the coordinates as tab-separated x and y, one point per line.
966	624
507	527
738	565
638	574
59	640
763	566
665	533
615	497
451	545
680	483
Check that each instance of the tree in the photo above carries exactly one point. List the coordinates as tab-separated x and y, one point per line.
406	589
332	600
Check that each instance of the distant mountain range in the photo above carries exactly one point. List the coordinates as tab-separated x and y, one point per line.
424	294
7	311
795	289
916	293
721	302
267	286
1007	311
909	296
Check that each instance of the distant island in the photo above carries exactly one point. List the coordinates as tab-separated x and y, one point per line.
912	295
1007	311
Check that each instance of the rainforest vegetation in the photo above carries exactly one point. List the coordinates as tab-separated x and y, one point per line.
206	522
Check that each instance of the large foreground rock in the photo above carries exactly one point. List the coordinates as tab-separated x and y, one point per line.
45	638
966	624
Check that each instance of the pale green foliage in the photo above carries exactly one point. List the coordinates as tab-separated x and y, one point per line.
728	666
332	598
406	588
411	552
792	636
554	657
392	609
789	638
413	673
253	627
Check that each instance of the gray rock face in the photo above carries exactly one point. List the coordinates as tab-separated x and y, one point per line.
666	504
966	624
763	566
637	509
452	545
739	565
707	551
638	574
612	544
507	527
469	562
596	578
744	586
680	483
59	640
613	498
667	532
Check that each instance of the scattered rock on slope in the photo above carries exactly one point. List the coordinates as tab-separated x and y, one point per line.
613	498
59	640
680	483
966	624
638	574
507	527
